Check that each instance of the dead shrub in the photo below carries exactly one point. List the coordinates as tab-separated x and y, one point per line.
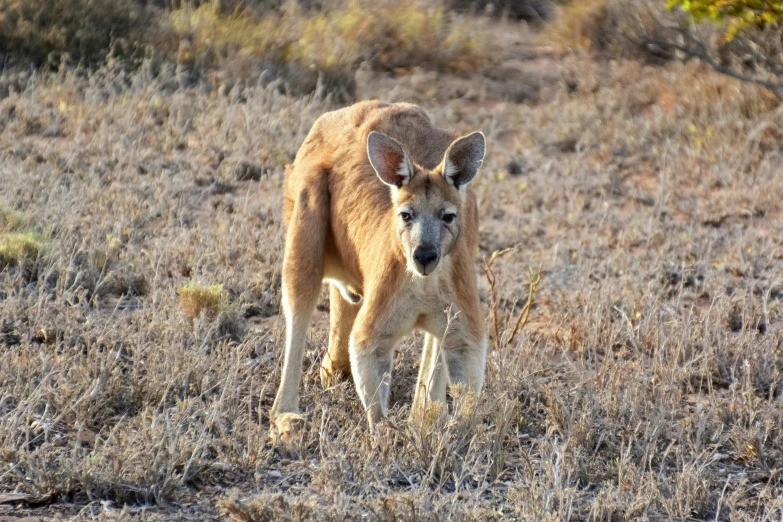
741	47
613	27
531	10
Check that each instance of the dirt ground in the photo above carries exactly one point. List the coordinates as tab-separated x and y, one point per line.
646	385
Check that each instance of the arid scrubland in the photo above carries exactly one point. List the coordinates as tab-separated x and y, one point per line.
140	256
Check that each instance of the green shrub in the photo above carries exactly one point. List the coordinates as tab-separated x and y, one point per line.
740	14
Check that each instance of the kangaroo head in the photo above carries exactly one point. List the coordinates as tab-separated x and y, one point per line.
427	204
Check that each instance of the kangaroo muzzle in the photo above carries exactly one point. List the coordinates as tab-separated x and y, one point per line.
425	259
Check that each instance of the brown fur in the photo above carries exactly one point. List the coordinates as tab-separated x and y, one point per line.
340	220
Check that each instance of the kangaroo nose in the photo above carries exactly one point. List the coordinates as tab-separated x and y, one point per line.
425	255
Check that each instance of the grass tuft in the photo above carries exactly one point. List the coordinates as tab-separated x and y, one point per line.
17	248
579	24
197	298
12	220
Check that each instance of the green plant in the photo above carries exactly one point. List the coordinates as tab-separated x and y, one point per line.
197	298
740	14
18	247
19	242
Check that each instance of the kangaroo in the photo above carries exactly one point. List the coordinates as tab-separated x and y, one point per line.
377	204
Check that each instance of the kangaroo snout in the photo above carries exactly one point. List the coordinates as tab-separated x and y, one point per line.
426	259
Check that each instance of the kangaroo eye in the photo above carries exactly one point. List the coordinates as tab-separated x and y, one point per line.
405	216
448	218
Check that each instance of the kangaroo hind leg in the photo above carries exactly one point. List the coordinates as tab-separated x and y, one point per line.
303	261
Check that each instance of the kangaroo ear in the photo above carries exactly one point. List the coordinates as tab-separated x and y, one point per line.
463	159
389	160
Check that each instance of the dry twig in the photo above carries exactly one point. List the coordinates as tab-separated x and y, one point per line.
524	315
533	281
491	280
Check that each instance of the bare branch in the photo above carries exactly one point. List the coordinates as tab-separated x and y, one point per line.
701	54
697	49
491	279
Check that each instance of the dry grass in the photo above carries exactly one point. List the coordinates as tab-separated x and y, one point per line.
646	384
219	44
578	24
619	28
301	47
387	34
11	220
658	32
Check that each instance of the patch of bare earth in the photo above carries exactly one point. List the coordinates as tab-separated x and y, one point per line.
646	386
